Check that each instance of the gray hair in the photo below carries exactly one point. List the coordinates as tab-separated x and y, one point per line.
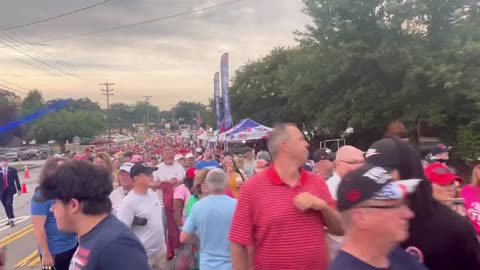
276	137
264	155
216	180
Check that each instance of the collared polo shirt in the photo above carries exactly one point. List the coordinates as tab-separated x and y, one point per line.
283	237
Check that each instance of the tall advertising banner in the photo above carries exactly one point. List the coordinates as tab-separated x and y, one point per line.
216	94
225	80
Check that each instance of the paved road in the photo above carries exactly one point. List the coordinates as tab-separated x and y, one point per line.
19	240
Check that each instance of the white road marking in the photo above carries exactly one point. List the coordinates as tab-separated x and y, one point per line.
3	222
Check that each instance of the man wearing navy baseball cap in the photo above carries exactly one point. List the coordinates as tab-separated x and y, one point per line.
376	219
439	153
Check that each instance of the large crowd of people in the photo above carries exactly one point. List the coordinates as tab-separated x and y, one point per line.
168	203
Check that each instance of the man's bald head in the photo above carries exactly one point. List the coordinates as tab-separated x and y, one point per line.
348	159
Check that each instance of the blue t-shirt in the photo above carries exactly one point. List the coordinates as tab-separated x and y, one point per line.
399	260
211	219
202	164
110	245
58	242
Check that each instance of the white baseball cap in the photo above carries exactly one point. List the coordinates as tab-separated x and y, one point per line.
189	155
126	167
178	157
199	150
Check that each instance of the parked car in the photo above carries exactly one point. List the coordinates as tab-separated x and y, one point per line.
32	152
10	153
14	154
23	154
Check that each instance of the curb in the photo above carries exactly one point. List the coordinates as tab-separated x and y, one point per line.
22	168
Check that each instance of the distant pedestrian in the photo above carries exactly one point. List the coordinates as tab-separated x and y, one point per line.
9	186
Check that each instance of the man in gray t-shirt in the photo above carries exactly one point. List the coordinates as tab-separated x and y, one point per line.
142	212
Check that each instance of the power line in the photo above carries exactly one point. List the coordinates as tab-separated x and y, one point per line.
22	51
11	89
29	49
16	85
38	52
135	24
46	54
108	92
27	63
56	17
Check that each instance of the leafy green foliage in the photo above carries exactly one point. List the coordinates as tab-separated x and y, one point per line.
186	112
80	117
363	63
469	141
8	98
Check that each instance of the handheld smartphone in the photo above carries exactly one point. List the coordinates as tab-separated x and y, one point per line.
139	221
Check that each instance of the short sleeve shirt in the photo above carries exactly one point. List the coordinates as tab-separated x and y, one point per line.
181	192
267	219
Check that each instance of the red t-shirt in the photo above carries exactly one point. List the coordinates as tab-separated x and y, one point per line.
283	237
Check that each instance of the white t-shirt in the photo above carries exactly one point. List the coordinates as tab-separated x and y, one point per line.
332	184
116	197
334	241
146	206
165	173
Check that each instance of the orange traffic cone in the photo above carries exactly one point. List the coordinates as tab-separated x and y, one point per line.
26	174
24	188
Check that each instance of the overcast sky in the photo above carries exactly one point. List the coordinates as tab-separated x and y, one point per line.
171	60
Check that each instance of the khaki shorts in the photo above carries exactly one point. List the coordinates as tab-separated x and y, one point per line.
159	261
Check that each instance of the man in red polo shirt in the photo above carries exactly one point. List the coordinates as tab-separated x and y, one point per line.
282	212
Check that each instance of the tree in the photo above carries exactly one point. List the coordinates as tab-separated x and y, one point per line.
81	117
383	60
122	116
8	98
211	114
364	63
187	112
257	91
82	104
31	104
63	125
145	112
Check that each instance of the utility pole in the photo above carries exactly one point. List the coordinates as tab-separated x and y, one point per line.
108	92
147	124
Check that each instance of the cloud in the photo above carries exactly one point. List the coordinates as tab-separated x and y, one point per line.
172	60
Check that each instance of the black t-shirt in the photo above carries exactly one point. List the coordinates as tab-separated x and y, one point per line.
110	245
399	260
445	241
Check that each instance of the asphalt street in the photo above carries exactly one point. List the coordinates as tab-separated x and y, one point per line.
19	240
